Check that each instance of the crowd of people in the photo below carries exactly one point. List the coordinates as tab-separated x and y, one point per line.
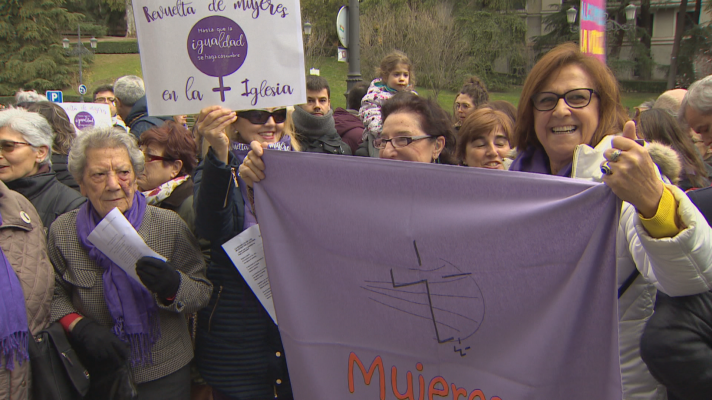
193	329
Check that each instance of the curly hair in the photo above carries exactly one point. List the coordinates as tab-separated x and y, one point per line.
476	89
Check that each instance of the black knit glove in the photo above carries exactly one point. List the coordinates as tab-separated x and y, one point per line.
158	276
98	347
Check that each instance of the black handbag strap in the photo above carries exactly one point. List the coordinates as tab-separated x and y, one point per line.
76	372
628	282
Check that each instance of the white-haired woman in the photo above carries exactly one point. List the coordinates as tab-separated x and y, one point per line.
111	317
25	164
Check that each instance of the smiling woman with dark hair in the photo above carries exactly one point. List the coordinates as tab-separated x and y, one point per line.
569	124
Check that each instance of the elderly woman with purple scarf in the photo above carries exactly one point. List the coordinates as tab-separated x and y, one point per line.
110	317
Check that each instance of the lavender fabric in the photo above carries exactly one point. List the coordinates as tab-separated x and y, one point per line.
14	331
130	304
240	151
534	159
456	282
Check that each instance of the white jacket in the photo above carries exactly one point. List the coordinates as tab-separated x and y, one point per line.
678	266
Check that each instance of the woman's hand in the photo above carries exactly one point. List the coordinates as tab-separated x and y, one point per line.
211	124
633	174
252	168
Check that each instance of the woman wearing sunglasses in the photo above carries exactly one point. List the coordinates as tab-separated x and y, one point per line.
238	348
26	140
414	129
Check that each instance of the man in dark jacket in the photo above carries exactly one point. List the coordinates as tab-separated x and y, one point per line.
130	100
347	122
314	121
677	342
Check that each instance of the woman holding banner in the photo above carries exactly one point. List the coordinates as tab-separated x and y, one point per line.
568	124
238	348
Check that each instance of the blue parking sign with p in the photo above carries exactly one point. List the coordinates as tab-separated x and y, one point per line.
54	96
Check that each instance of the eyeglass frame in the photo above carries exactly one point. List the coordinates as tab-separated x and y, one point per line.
14	145
103	100
563	96
409	139
272	114
152	158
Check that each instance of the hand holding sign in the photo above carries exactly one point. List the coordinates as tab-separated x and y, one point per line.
211	124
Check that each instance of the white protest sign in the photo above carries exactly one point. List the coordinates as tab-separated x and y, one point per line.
240	54
87	115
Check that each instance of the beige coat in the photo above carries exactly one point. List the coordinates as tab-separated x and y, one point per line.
23	241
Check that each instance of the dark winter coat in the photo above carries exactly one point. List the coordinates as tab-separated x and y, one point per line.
677	342
238	347
349	127
50	197
138	121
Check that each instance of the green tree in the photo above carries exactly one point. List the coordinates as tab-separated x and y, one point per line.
446	40
31	54
496	33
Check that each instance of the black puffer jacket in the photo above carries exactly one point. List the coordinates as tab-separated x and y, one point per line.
50	197
677	342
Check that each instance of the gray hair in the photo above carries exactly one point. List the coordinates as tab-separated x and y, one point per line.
698	97
129	89
33	127
103	138
29	96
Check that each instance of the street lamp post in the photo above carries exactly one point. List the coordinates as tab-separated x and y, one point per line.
79	52
93	43
354	75
571	18
307	33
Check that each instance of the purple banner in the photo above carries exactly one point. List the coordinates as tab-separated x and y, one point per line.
400	280
592	35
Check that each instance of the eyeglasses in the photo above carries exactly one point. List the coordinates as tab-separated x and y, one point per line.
398	141
576	98
152	158
260	117
8	146
104	99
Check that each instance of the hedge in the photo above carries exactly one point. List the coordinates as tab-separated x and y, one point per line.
643	86
118	47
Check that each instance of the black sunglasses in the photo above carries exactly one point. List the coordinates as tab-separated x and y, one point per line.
260	117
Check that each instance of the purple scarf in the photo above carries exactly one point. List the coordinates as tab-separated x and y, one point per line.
130	304
534	159
14	333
